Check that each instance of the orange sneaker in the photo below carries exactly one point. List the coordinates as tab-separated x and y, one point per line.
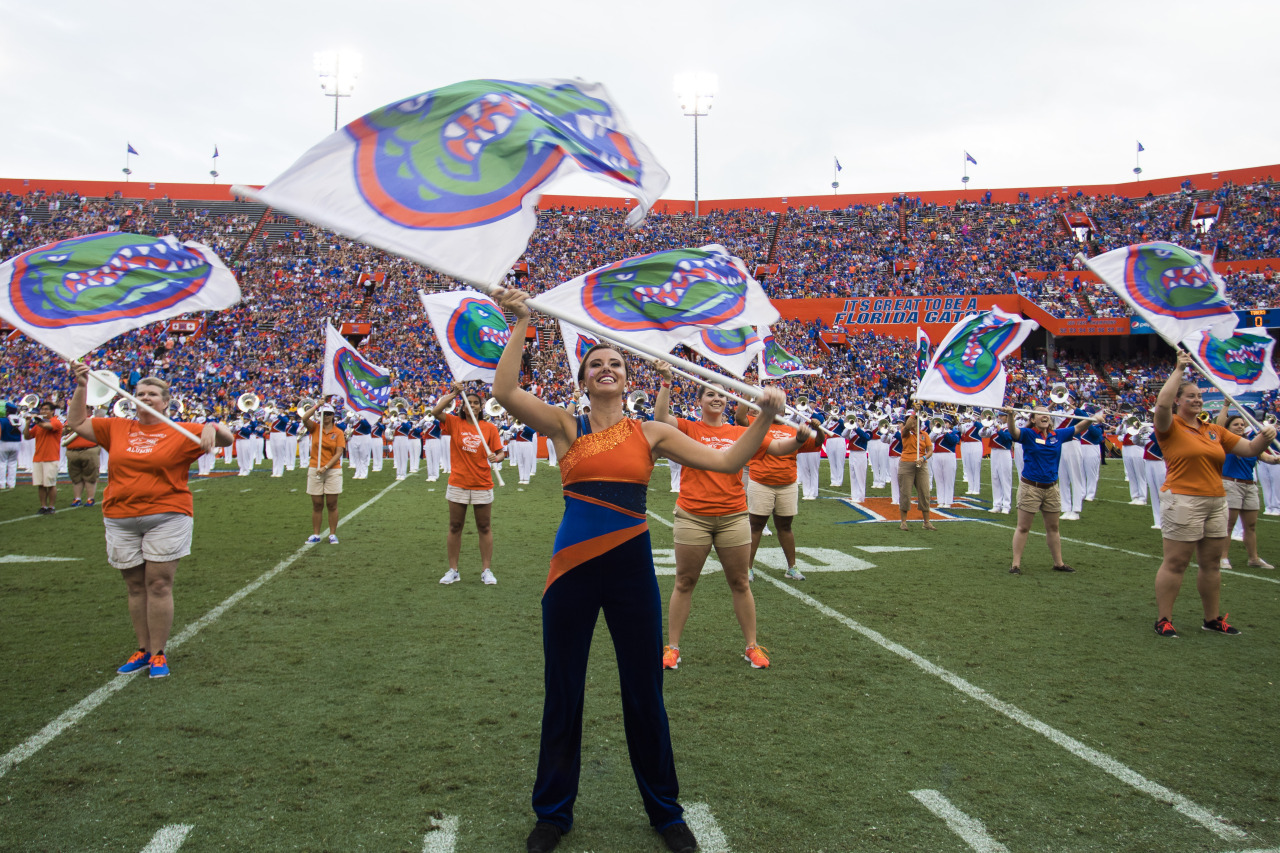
757	656
670	657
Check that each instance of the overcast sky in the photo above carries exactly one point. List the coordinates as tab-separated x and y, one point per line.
1040	94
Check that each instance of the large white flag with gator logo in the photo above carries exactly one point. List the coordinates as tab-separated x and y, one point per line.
471	329
451	177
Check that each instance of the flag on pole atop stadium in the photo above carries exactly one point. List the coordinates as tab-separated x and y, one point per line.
1140	148
775	362
968	366
471	329
923	348
451	177
365	386
215	152
969	158
1172	288
1239	364
74	295
129	149
662	298
839	168
576	344
732	349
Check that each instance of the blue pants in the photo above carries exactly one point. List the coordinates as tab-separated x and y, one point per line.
622	583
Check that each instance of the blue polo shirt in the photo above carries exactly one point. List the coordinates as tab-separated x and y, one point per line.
1040	453
1240	467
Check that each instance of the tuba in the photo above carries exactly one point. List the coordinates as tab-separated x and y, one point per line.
493	409
124	408
637	402
248	402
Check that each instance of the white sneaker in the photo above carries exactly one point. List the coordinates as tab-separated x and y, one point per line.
451	576
1156	527
1137	502
1260	564
1070	516
313	538
487	577
794	574
333	540
1224	563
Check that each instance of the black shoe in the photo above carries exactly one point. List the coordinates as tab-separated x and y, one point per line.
1165	628
1219	626
544	838
679	838
1063	568
1015	570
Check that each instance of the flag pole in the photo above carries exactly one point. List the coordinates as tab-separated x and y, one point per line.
105	378
1200	366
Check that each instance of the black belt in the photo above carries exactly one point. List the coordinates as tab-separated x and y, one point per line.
1038	485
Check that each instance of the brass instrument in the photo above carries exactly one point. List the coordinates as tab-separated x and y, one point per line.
125	408
987	417
248	402
99	392
802	405
937	423
883	425
493	409
305	403
1204	417
637	402
30	401
1132	425
1059	394
402	404
1269	420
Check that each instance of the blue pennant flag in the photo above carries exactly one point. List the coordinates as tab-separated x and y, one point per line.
132	150
969	158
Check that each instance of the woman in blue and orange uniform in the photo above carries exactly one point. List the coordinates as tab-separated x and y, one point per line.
603	560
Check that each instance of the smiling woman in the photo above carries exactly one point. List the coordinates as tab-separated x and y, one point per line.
147	507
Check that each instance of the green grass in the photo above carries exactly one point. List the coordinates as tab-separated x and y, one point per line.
351	699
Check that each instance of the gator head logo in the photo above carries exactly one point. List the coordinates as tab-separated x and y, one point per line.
729	341
468	154
1167	279
779	362
477	332
666	290
103	277
585	343
1241	359
971	361
365	385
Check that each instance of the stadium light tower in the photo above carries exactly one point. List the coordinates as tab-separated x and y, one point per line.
695	91
338	70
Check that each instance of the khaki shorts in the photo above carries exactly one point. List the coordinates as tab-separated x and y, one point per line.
724	531
468	496
160	538
1242	496
82	464
1035	499
770	500
44	473
1190	518
329	483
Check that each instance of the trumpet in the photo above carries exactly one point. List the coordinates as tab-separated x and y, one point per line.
802	405
1204	417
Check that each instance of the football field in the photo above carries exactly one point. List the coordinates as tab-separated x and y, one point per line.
338	698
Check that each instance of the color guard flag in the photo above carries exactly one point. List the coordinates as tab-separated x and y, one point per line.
732	349
471	329
451	178
923	346
662	298
364	385
775	362
968	366
1172	288
1239	364
576	344
76	294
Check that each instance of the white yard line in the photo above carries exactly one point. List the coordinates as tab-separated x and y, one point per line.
1218	826
168	839
705	828
73	715
969	829
443	837
20	518
1072	541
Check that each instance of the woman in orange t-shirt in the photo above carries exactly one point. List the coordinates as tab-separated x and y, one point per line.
1193	515
712	512
147	507
324	470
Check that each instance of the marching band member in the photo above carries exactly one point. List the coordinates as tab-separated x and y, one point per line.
837	448
84	457
147	507
415	447
1038	492
858	441
1153	469
1242	491
1131	455
401	444
244	438
878	456
1269	480
470	480
324	468
204	465
46	431
292	438
304	437
1194	513
1018	457
604	560
11	441
970	457
360	445
278	441
1070	470
914	451
892	441
524	451
807	465
433	448
378	444
942	464
1091	441
1001	466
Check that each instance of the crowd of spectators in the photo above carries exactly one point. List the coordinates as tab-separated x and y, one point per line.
295	276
